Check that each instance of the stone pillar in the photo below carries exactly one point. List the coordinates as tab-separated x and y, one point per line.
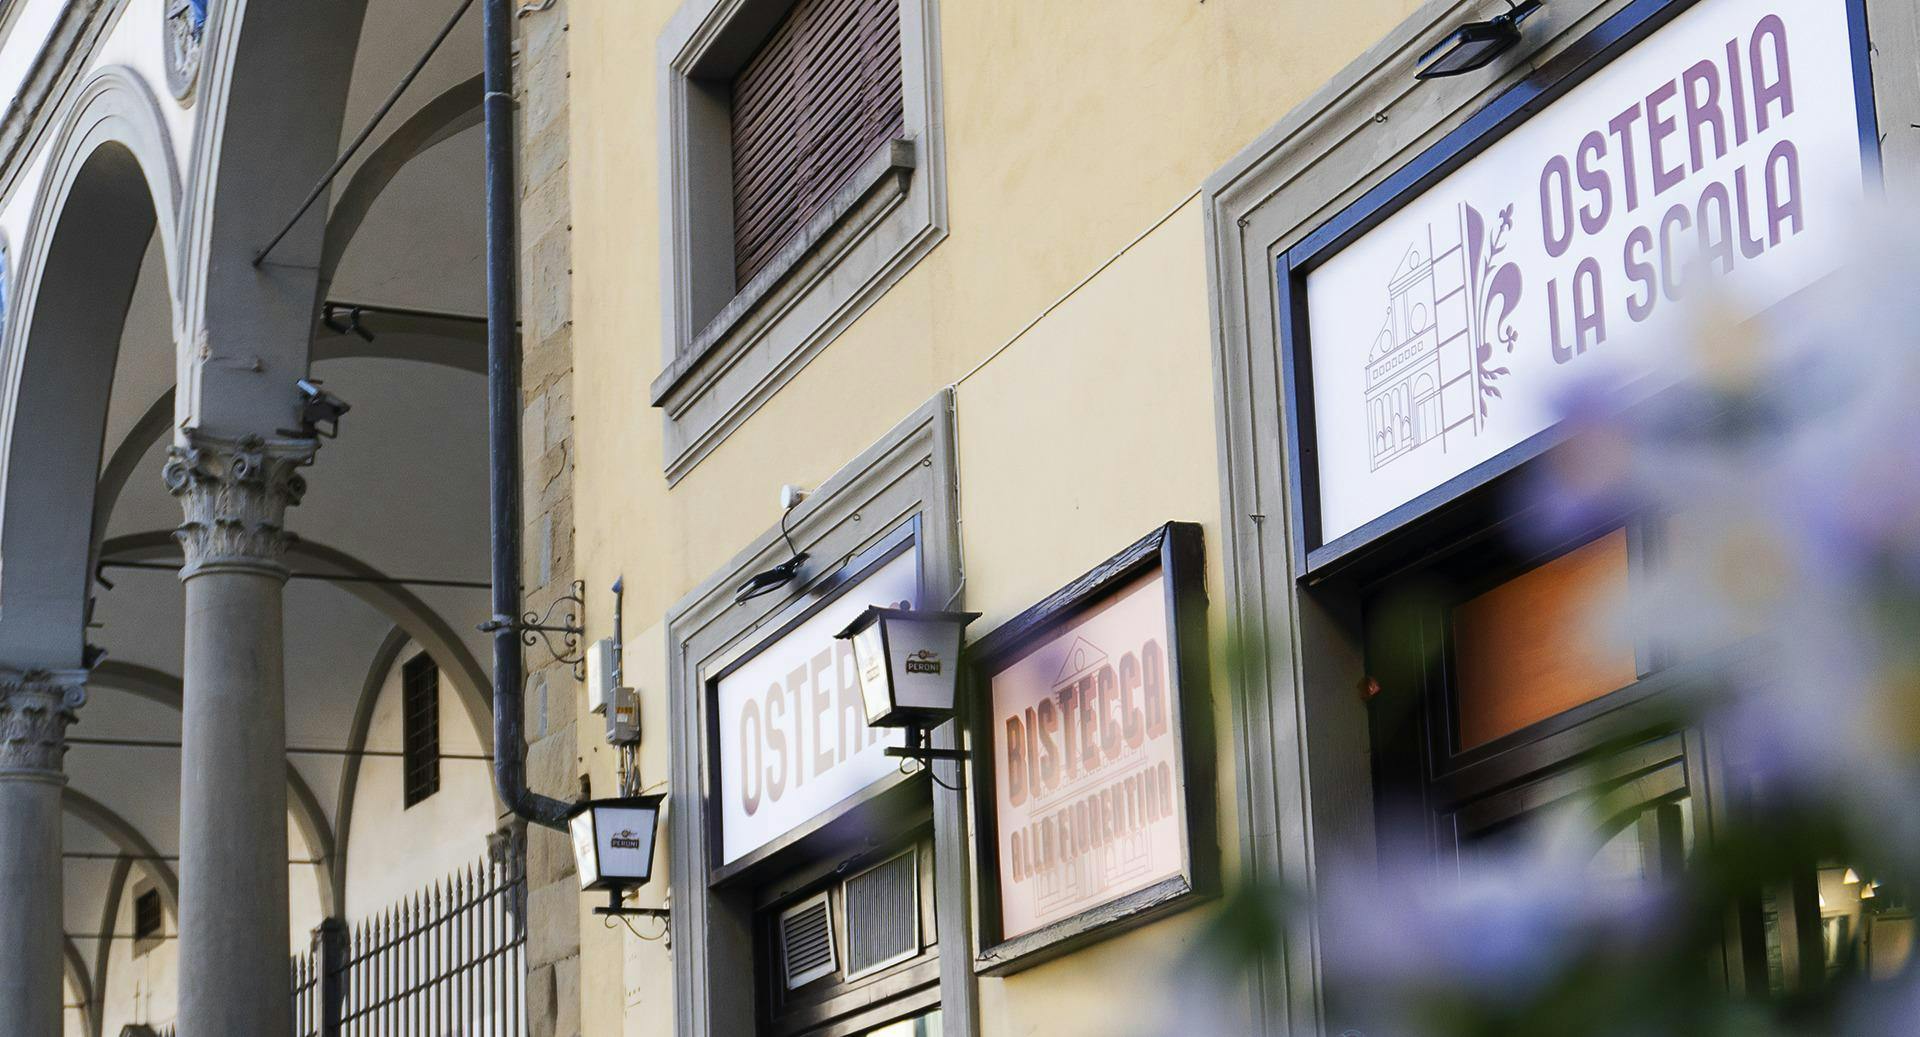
35	709
330	951
234	937
554	1005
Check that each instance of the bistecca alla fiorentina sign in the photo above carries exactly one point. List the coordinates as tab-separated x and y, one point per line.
1087	784
1720	156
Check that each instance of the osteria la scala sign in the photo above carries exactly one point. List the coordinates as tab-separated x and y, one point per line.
1721	154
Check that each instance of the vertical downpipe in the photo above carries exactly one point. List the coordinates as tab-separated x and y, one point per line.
503	426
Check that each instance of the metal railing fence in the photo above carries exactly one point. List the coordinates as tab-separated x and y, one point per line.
449	961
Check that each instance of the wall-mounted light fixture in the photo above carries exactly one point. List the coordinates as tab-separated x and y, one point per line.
909	668
613	842
1475	44
769	580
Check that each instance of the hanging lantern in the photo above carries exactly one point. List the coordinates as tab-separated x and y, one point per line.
909	668
613	841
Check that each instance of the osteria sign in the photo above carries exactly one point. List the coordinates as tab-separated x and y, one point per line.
1720	154
792	735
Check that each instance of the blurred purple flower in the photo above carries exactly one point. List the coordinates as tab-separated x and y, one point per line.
1784	461
1495	931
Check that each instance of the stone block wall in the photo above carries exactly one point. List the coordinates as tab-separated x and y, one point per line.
546	340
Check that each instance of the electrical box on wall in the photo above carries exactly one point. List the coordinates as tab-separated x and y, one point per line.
600	678
620	706
623	717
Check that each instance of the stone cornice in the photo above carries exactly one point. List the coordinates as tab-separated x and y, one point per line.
235	495
35	709
70	43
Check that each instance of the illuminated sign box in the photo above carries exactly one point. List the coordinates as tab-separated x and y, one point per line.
1682	150
790	748
1087	709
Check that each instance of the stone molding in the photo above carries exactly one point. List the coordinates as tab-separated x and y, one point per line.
727	352
35	708
76	31
235	495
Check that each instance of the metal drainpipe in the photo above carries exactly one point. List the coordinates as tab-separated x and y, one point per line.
503	429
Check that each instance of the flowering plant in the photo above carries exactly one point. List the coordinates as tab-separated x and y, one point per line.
1779	457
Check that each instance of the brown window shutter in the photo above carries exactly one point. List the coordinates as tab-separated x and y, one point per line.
822	95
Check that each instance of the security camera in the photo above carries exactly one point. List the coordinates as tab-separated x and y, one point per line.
319	407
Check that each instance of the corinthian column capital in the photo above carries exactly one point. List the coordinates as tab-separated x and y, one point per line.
235	494
35	708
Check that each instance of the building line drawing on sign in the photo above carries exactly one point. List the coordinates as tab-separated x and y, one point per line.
1431	370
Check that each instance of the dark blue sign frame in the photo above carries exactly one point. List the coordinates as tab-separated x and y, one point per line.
1313	558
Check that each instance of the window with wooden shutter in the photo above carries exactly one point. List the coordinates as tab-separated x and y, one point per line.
814	103
420	727
149	920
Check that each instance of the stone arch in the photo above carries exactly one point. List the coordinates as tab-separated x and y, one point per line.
130	841
274	80
81	982
402	606
303	806
454	111
113	106
110	183
103	951
459	345
384	659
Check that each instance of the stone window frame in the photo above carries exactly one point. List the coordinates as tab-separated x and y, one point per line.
909	476
1302	734
725	352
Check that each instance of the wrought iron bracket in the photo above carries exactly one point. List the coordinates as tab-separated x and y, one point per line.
541	628
926	753
633	912
615	909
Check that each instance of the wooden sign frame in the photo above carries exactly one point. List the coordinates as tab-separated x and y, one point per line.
1175	550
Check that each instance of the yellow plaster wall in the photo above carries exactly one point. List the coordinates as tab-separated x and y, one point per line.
1090	431
1075	131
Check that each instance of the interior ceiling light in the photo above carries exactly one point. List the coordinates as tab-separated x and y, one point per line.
1475	44
1851	878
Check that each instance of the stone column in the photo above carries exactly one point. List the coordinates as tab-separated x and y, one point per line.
234	938
330	951
35	709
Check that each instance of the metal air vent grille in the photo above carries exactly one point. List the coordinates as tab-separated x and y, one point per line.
806	942
883	915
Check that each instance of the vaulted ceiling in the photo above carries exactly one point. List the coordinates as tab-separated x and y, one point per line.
402	491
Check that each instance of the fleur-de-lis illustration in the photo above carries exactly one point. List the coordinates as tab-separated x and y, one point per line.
1494	288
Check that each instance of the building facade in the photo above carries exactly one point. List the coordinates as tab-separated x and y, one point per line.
1047	294
1189	346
